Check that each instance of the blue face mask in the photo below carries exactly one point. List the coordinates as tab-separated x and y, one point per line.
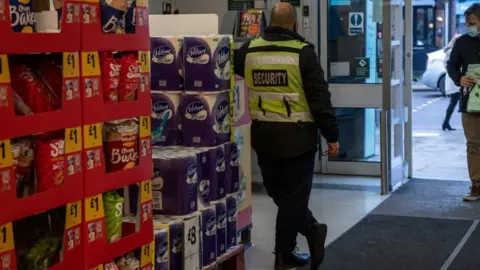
472	30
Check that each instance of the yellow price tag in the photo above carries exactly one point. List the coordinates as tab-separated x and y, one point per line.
6	159
147	254
142	3
100	267
94	208
90	64
73	140
71	67
146	192
144	58
4	69
145	126
92	135
6	237
74	214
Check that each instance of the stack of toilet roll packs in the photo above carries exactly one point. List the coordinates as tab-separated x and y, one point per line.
196	166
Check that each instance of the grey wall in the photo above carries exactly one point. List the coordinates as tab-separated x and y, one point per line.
156	6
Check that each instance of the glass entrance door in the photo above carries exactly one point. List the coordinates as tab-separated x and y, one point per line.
370	90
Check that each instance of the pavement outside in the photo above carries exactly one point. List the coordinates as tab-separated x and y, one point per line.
437	154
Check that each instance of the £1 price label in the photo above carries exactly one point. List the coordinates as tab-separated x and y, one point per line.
6	237
6	159
144	57
73	140
90	64
94	208
145	126
92	135
74	214
71	67
147	254
4	69
146	191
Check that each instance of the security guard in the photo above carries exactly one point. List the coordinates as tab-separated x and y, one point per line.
289	102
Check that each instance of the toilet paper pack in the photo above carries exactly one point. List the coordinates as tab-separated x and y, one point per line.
166	104
203	175
232	165
174	186
206	119
231	204
174	228
221	209
209	235
207	63
166	63
217	172
161	238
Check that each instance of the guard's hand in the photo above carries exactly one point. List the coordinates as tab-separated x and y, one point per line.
467	81
333	149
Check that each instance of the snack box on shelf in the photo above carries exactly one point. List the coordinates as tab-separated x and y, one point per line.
98	250
23	41
71	253
68	116
100	23
68	189
95	108
133	159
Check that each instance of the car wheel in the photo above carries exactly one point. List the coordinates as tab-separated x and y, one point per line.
441	85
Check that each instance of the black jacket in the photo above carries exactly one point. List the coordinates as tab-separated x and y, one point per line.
291	139
466	51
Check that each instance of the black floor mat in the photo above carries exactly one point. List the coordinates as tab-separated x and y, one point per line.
430	198
468	257
381	242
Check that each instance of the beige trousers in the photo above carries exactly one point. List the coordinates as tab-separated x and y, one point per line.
471	127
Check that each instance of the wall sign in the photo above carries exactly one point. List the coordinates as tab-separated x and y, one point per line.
241	4
356	23
295	3
362	68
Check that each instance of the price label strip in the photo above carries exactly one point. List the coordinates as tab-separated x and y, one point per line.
90	64
6	159
148	253
94	208
92	135
146	193
144	57
6	238
4	69
74	214
73	140
71	66
145	126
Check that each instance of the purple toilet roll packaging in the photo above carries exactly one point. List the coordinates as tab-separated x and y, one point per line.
166	71
164	103
232	165
231	203
209	235
206	119
174	186
221	209
174	228
161	249
207	63
218	172
203	175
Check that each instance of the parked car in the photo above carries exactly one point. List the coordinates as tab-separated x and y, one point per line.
434	75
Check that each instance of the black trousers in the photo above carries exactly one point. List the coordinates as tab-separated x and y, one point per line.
454	98
288	181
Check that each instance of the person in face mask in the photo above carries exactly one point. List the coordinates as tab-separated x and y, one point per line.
466	52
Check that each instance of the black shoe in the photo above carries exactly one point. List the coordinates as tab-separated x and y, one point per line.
284	261
316	242
447	127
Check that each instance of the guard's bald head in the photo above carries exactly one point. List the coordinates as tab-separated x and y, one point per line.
283	15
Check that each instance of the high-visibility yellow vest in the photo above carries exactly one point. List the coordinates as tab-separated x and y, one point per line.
272	72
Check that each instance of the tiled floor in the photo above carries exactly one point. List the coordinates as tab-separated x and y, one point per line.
340	209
